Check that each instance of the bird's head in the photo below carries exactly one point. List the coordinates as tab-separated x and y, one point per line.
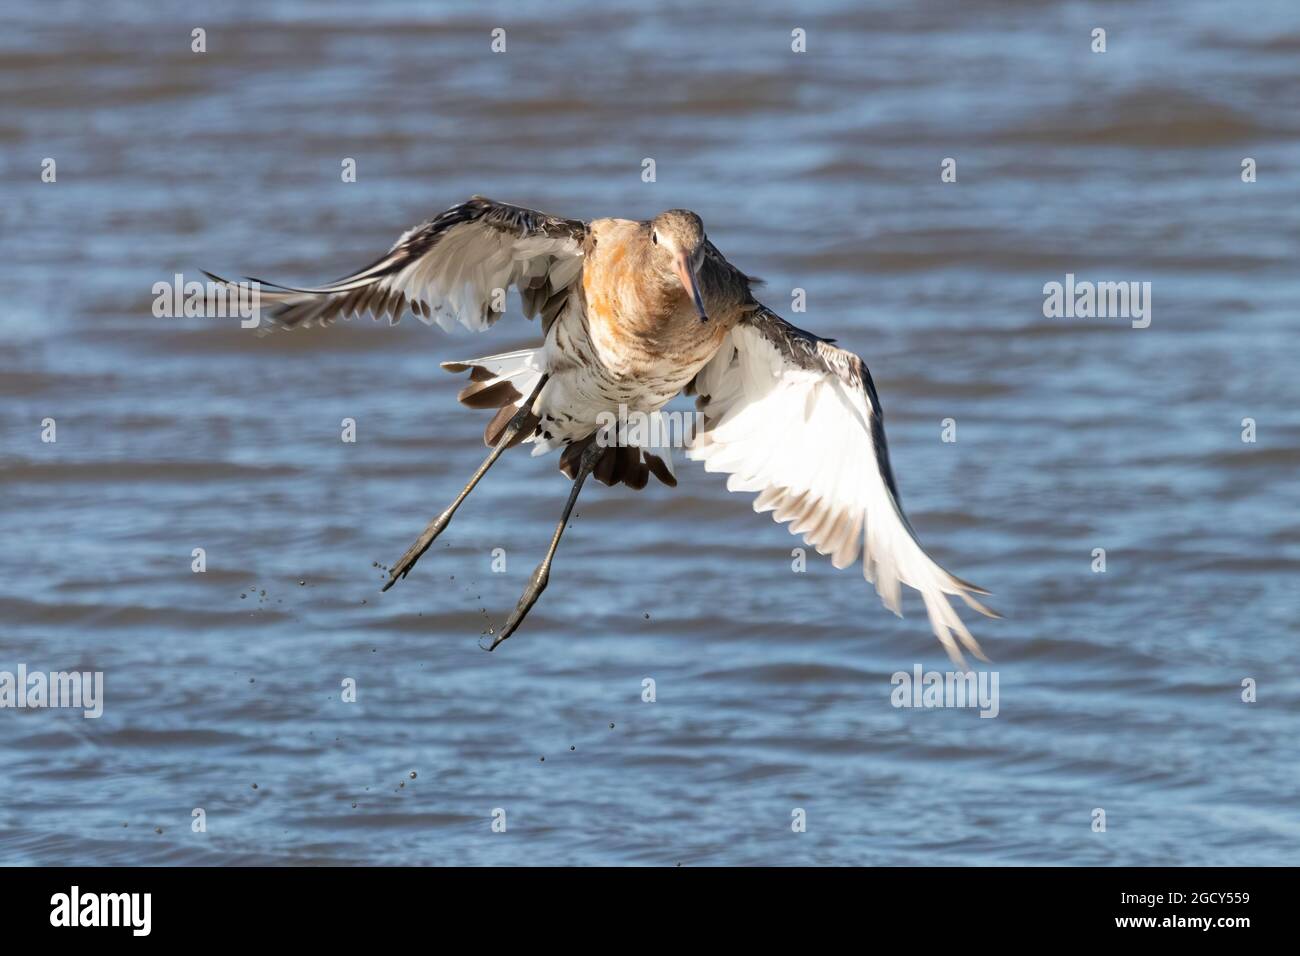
677	238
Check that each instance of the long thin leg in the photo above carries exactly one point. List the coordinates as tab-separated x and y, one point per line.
537	583
439	524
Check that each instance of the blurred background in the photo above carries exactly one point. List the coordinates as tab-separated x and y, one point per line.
819	170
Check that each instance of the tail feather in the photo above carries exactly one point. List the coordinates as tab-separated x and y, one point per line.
502	382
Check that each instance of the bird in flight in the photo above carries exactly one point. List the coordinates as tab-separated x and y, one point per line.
634	313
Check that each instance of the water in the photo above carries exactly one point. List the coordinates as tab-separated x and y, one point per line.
820	171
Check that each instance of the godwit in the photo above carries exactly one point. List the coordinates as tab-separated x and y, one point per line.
634	313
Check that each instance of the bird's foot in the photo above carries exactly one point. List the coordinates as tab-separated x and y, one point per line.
421	545
536	585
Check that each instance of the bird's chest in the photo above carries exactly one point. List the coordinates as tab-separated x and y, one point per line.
644	336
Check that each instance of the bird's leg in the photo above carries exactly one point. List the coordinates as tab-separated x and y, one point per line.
537	583
439	524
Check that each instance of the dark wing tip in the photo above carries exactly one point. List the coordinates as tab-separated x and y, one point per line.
973	588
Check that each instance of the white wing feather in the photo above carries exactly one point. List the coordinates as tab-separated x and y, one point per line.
795	419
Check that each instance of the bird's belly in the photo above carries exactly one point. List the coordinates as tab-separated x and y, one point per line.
646	361
576	401
592	375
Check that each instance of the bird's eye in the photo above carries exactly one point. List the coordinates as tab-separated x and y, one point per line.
654	237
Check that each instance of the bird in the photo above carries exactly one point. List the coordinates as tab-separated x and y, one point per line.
632	314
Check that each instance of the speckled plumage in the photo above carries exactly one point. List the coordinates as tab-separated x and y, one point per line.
634	313
630	335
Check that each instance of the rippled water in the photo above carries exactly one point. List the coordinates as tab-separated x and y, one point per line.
820	171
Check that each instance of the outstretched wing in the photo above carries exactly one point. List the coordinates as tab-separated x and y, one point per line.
797	420
447	270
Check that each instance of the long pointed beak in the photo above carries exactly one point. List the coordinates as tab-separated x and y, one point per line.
690	283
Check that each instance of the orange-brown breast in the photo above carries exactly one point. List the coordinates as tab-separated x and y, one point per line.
641	320
617	290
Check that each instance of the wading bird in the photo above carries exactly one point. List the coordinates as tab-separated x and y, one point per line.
632	314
